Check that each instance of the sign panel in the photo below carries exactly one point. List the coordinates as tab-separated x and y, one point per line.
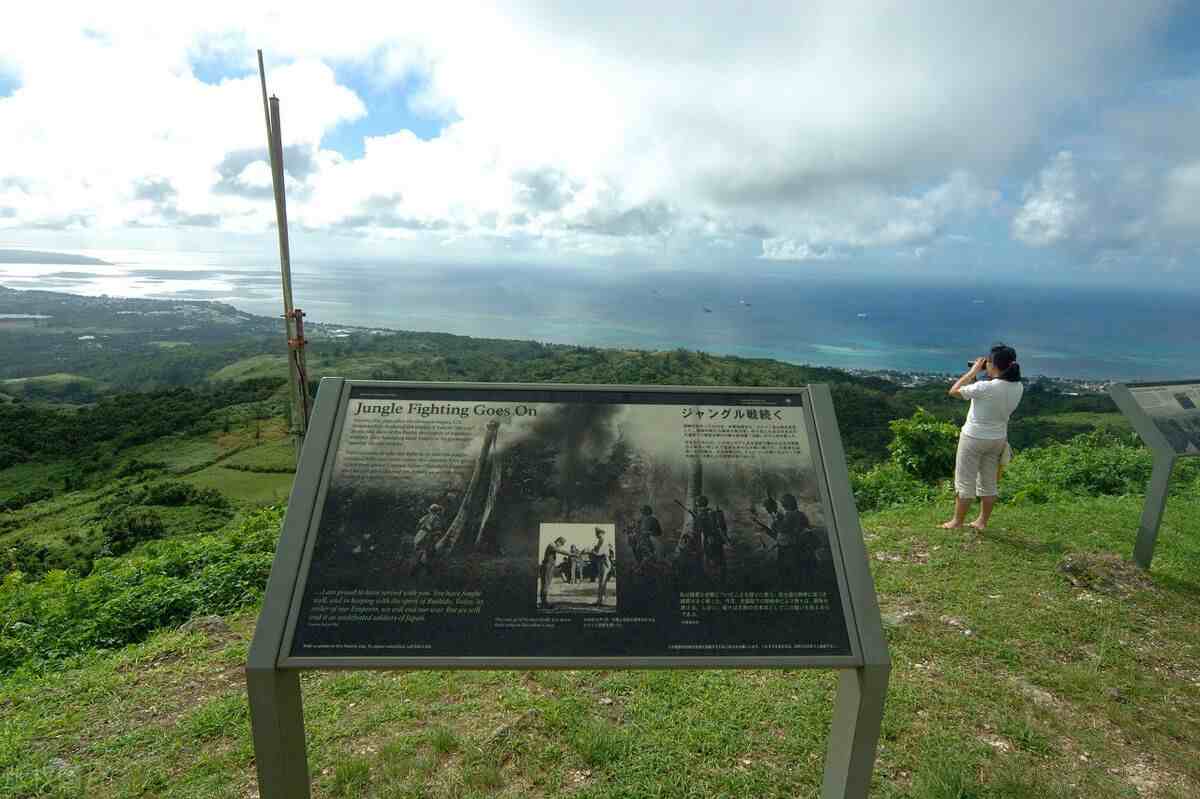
1174	408
535	522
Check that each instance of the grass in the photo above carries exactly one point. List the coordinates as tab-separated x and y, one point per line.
1011	680
350	366
252	367
54	379
272	456
252	488
27	476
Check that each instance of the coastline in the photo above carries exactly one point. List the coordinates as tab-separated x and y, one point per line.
705	331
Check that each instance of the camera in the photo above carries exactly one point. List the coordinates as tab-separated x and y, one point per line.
971	362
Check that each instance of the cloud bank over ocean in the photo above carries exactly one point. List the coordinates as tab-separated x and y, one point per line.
825	135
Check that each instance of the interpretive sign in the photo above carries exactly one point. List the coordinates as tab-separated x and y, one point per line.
1167	417
543	526
1174	408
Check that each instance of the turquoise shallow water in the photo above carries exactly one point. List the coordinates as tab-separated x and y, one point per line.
792	315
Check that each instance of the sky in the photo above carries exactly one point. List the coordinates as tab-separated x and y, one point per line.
1047	140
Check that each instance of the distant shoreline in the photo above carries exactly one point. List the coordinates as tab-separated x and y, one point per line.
54	258
900	377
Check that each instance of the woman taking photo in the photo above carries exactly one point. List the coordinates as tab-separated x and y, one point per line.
984	436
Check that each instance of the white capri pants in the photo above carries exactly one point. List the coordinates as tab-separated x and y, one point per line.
977	465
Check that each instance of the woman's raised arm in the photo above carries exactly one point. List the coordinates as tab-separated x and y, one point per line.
967	378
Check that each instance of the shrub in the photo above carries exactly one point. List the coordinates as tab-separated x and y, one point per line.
22	556
124	599
258	468
137	466
20	500
1095	463
121	499
10	456
173	493
886	485
125	529
924	446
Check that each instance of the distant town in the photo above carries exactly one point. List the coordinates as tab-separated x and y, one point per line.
1063	385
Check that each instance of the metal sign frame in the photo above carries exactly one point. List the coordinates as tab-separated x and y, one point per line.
1165	456
272	674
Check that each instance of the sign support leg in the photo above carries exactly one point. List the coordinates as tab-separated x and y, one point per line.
1152	511
277	725
857	719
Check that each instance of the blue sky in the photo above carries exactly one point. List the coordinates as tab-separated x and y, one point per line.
1048	140
388	110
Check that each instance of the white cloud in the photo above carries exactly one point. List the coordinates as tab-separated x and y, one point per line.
783	249
862	217
816	130
1054	208
1181	202
1130	216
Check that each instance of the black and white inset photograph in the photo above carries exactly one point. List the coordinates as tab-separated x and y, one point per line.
577	571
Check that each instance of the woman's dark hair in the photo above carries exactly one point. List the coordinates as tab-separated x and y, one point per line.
1004	358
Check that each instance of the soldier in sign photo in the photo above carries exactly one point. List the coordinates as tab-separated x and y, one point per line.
424	543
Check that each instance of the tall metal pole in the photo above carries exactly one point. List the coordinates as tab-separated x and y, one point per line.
293	317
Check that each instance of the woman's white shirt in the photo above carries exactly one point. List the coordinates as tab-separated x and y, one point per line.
992	402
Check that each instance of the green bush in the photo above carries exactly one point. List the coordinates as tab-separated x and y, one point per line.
25	557
924	446
10	456
35	560
137	466
122	498
23	498
173	493
886	485
125	529
1095	463
124	599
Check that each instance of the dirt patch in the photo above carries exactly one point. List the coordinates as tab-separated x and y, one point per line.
918	555
1039	696
1139	770
1001	745
897	612
957	623
1104	573
509	729
1147	779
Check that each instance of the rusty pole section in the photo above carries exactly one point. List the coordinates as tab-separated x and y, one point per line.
293	317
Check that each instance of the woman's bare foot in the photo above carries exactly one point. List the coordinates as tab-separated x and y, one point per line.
979	525
951	525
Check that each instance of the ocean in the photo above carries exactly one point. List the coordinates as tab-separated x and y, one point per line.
792	314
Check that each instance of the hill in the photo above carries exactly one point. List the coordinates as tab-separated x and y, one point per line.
40	257
1031	662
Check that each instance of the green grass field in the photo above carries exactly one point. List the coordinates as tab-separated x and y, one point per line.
273	456
1012	680
253	488
55	378
257	366
27	476
351	366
